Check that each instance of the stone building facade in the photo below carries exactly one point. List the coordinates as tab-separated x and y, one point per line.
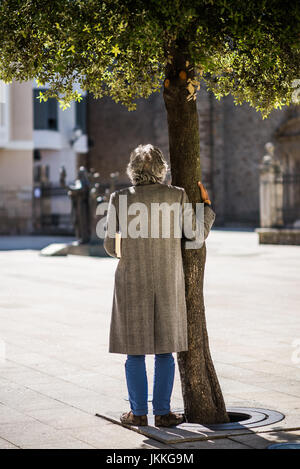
232	140
16	148
36	140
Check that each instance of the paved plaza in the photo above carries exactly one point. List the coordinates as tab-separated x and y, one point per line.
56	372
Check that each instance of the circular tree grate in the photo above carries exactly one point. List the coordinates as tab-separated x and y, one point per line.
244	417
240	417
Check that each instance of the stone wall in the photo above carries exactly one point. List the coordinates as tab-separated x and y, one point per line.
115	132
15	210
15	191
245	134
232	140
16	163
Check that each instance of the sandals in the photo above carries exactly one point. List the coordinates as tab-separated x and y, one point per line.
128	418
169	420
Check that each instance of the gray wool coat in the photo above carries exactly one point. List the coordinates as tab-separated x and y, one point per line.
149	310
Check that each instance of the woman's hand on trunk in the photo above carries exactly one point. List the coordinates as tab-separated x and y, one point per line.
204	193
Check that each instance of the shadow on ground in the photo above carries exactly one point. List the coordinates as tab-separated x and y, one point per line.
16	243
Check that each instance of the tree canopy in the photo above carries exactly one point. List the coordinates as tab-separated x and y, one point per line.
121	48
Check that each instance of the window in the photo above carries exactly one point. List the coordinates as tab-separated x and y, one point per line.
80	114
37	155
45	113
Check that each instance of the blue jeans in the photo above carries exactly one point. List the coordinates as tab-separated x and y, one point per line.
137	384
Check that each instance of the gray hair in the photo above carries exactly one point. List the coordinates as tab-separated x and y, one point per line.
147	164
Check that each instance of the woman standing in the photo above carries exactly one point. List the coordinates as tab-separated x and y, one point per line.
149	310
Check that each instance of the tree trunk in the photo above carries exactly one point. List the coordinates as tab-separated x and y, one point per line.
202	395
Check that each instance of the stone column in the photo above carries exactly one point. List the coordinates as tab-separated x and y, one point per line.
271	190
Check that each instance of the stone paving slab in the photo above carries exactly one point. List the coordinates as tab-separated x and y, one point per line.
224	443
55	249
66	444
249	441
4	444
28	433
113	437
259	441
57	373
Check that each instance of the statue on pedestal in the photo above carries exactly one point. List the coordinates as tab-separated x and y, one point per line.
79	194
271	190
113	181
86	194
96	198
62	176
